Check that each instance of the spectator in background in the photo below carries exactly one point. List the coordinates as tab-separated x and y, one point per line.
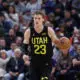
75	16
51	18
65	4
18	41
56	54
23	23
15	67
48	6
76	35
3	44
63	66
27	16
20	5
52	77
58	32
75	40
48	23
3	61
8	2
1	18
1	6
33	6
73	48
10	52
1	25
5	5
76	62
6	24
15	3
59	14
10	37
12	16
62	28
70	23
40	1
76	4
17	30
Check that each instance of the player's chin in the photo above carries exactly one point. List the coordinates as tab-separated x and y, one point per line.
37	24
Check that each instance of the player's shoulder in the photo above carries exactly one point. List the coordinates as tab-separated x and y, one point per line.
50	29
27	30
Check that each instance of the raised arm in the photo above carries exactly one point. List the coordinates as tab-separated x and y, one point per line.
53	36
26	41
26	36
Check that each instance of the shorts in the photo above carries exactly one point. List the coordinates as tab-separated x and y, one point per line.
40	73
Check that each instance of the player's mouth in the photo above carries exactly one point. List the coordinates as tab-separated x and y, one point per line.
37	23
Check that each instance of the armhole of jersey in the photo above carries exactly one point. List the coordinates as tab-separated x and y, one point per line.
47	32
46	29
31	31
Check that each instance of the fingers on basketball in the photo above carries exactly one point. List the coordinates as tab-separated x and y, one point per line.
64	43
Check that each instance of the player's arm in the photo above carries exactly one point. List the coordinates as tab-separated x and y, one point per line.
26	41
53	36
62	43
26	36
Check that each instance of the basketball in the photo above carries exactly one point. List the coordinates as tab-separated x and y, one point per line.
64	43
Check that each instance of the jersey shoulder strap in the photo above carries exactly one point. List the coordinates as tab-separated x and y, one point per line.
31	31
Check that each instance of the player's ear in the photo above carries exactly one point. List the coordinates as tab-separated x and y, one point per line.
43	19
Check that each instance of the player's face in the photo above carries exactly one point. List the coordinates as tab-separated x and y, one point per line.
38	20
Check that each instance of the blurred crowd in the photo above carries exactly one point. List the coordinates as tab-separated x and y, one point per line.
17	15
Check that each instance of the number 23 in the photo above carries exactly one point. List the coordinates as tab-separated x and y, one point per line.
42	47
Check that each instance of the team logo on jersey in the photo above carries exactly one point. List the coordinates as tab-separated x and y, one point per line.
43	33
39	40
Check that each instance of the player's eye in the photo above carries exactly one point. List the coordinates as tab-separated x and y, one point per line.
35	18
39	18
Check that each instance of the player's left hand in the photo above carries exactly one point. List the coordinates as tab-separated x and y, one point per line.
64	43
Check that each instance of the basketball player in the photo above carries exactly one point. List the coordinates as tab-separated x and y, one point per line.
40	39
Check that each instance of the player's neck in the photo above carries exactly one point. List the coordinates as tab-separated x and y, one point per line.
38	29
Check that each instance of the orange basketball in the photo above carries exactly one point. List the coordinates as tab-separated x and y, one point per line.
64	43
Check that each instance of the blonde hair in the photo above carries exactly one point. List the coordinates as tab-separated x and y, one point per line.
18	50
3	51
